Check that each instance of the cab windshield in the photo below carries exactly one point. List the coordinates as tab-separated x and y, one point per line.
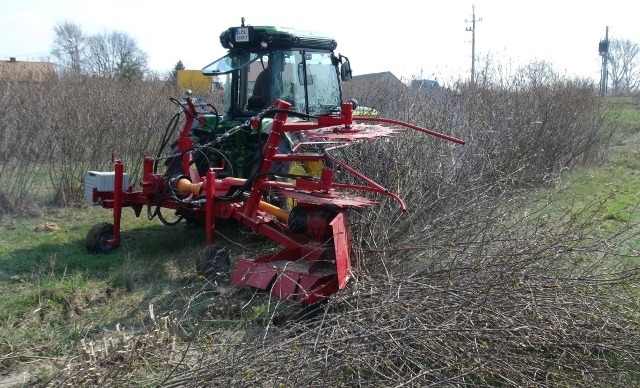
230	63
254	80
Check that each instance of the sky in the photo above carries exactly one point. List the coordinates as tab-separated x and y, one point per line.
410	38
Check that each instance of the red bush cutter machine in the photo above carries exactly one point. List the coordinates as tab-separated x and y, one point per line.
267	162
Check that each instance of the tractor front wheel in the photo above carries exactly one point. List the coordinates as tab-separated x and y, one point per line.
98	236
213	261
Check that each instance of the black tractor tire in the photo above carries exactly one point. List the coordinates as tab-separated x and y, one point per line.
312	311
97	237
213	262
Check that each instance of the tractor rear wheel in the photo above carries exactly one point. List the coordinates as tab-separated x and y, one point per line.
313	310
98	236
213	261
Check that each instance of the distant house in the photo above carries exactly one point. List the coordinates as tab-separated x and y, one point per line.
429	89
386	77
13	70
424	84
379	91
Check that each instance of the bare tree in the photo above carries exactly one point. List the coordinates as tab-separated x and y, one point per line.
68	46
115	54
624	70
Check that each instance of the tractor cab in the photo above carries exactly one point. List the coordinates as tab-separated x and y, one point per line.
268	63
264	64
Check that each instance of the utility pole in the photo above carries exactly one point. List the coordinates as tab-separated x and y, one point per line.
73	51
473	41
603	49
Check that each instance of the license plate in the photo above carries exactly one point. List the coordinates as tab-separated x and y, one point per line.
242	34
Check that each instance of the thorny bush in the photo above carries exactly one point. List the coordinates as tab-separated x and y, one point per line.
53	132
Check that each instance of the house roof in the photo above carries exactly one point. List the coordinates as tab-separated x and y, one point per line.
385	75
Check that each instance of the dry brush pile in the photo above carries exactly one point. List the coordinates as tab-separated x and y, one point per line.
523	296
480	283
497	317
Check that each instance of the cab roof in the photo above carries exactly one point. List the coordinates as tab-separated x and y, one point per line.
274	38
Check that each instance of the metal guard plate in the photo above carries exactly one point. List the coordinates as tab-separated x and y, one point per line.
331	198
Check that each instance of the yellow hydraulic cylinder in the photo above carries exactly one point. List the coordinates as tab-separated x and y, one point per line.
275	211
184	185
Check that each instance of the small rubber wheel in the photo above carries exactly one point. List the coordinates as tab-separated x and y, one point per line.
213	262
97	238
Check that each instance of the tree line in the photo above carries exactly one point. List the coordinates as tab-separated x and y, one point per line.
117	55
112	54
623	66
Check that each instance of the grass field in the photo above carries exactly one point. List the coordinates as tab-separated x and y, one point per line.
615	185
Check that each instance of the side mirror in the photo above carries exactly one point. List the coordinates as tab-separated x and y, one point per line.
345	69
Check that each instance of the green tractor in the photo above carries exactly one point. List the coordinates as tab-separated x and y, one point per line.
264	64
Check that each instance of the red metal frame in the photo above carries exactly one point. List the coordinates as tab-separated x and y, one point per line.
313	264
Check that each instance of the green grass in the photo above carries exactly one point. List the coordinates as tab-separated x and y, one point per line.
625	112
55	243
619	177
53	293
611	190
615	189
